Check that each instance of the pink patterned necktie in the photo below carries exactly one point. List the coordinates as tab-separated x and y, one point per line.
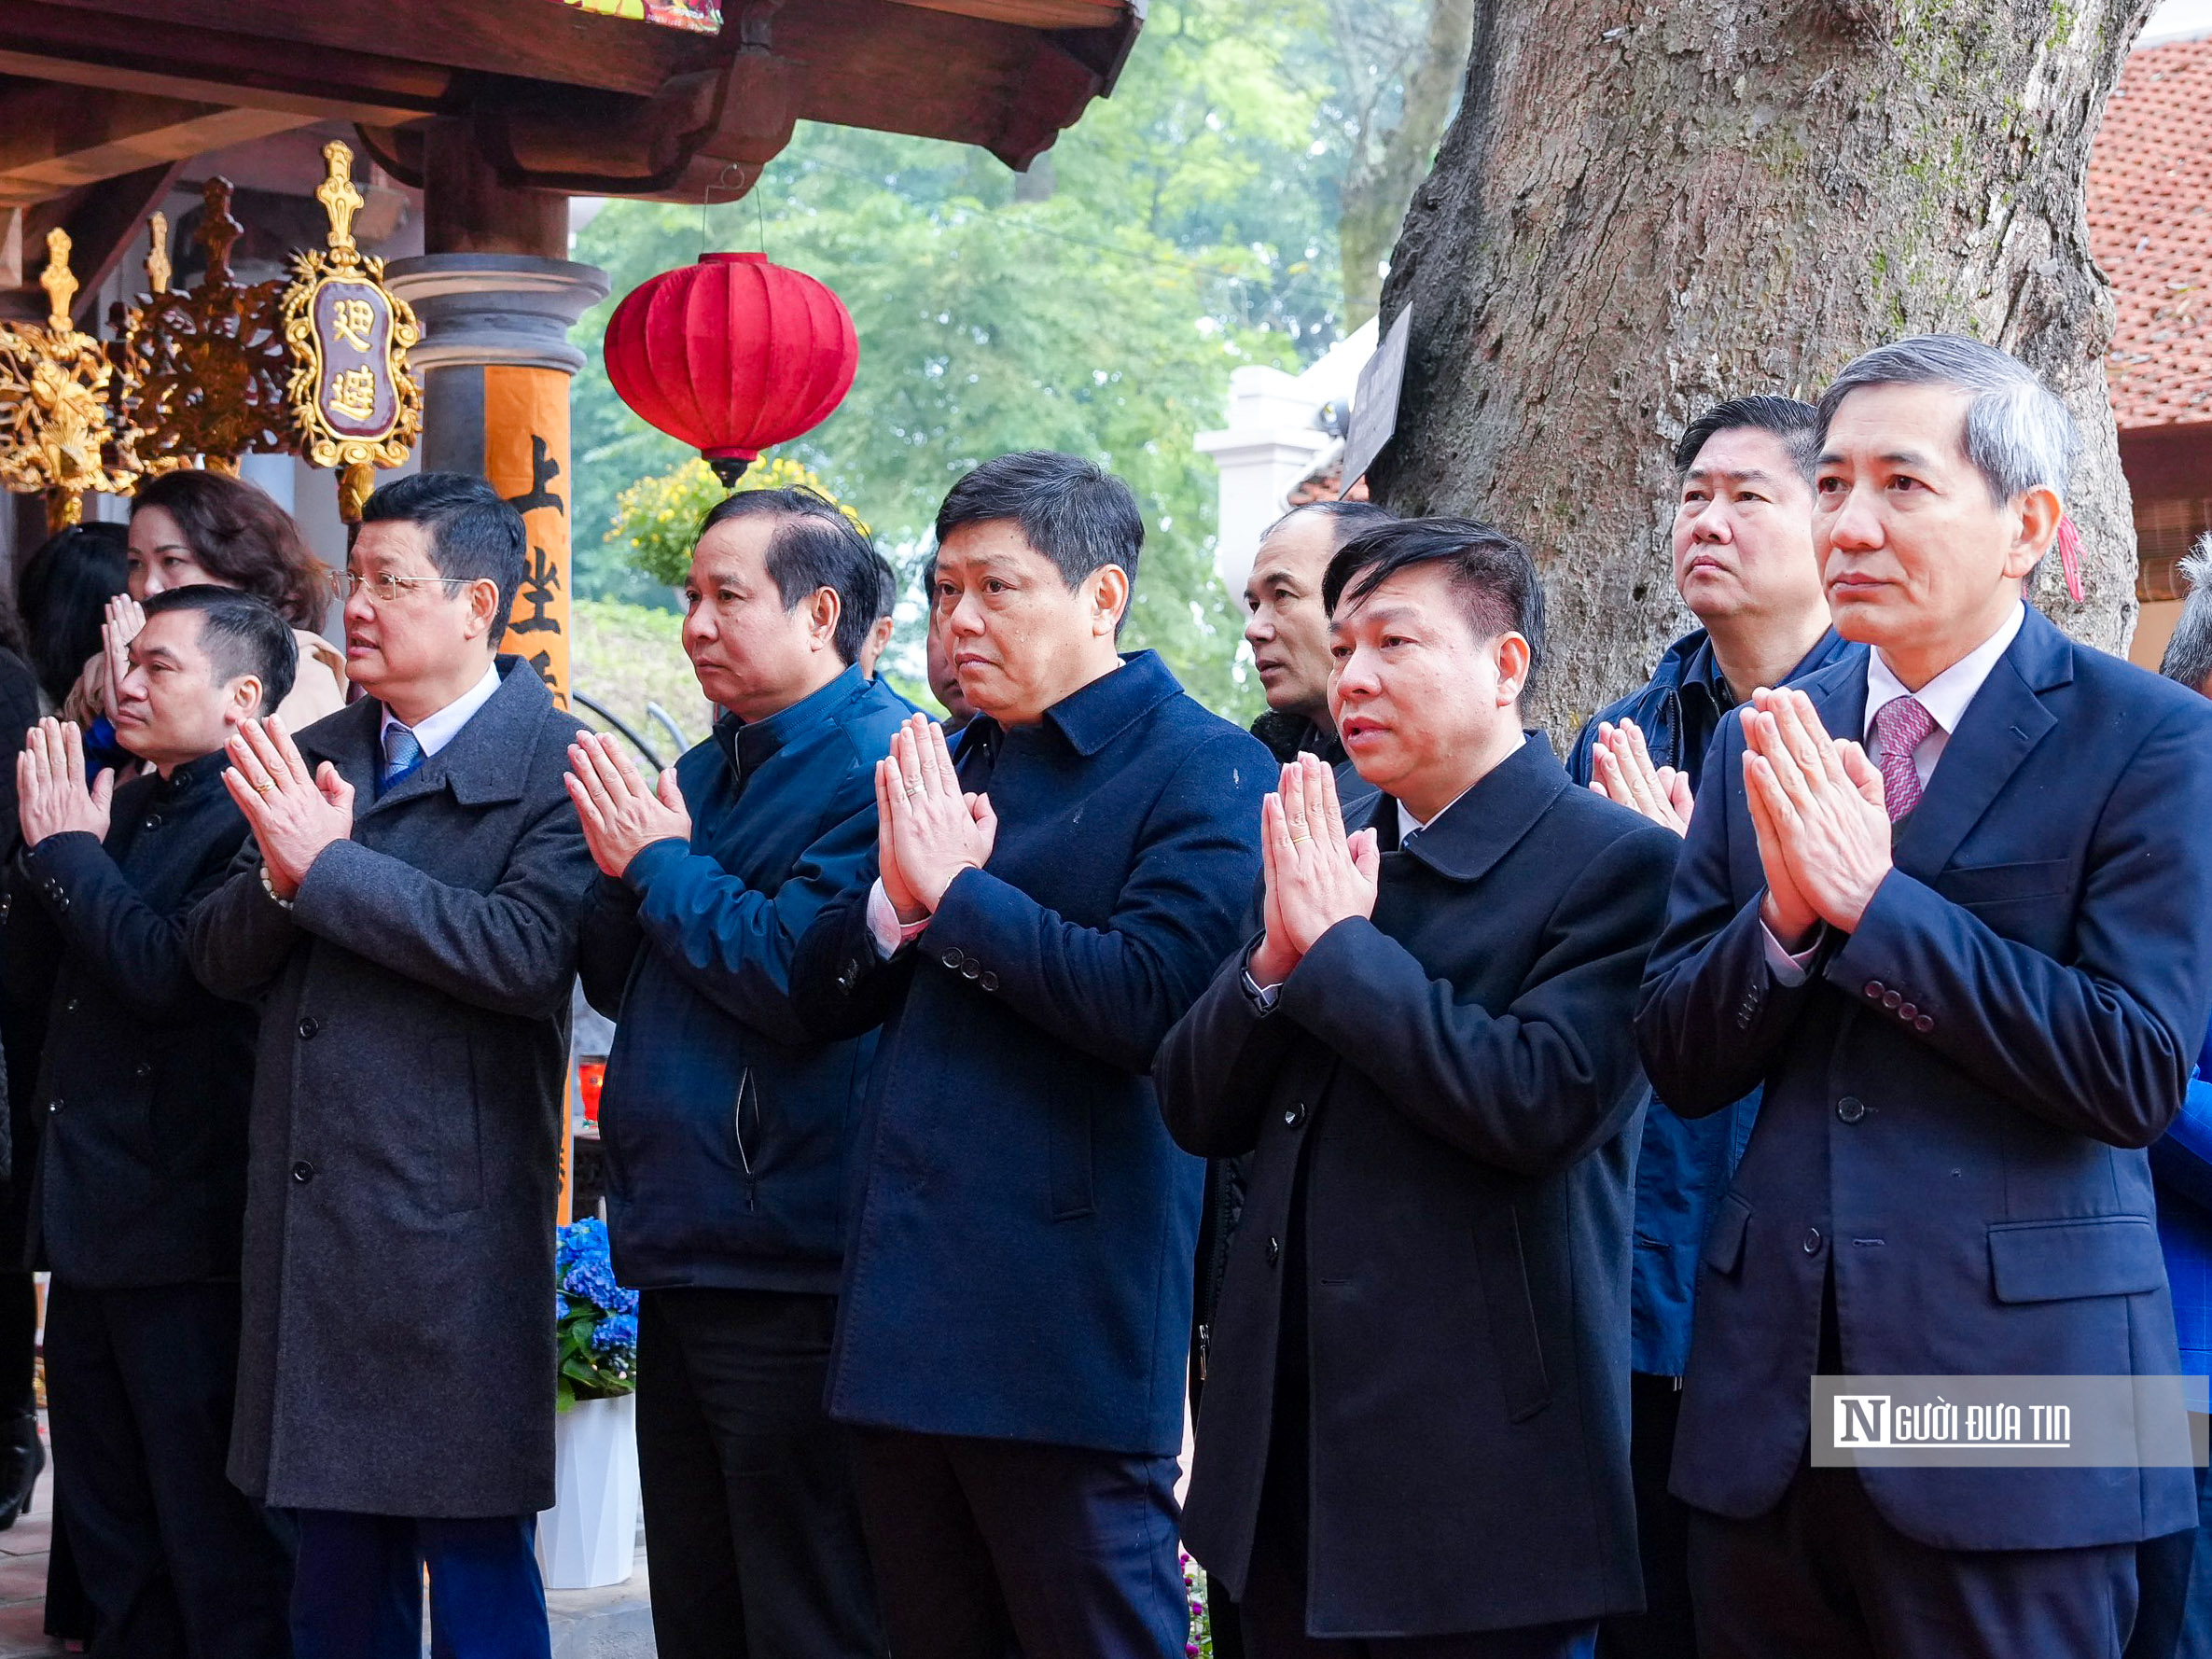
1902	724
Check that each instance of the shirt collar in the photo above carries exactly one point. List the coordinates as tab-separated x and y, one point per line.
1946	696
747	745
194	773
433	731
1409	826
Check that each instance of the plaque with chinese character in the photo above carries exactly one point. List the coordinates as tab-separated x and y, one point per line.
354	401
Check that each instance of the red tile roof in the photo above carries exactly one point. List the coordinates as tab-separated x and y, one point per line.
2150	226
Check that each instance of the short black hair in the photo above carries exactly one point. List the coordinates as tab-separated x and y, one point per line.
812	547
62	592
1346	519
1796	424
1493	575
240	633
886	590
475	534
1075	512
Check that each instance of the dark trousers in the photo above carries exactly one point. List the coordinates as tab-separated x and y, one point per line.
1823	1576
2175	1618
754	1531
987	1546
1665	1629
1273	1609
175	1559
358	1594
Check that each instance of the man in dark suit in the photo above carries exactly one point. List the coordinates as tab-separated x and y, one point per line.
729	1132
407	920
1970	963
140	1189
1016	1304
1414	1438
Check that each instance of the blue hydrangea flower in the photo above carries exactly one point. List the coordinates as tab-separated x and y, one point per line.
614	1332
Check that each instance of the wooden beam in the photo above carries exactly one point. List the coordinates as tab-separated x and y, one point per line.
1034	14
55	137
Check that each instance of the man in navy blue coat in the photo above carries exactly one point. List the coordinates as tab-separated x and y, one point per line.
1970	963
727	1129
1016	1304
1744	565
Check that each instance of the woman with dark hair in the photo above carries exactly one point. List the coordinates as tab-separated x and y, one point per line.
60	591
190	527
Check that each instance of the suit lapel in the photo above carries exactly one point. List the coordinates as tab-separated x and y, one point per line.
2001	727
348	740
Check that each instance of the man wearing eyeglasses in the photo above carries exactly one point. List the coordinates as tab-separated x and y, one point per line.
407	916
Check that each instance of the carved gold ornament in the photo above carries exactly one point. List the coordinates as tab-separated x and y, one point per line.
55	433
203	374
355	403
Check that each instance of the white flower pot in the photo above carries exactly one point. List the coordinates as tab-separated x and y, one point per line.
588	1537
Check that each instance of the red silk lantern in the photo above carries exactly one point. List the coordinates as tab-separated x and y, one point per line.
731	355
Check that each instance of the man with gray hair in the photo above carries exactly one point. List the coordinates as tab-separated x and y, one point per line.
1964	945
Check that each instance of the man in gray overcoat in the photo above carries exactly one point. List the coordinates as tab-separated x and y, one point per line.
407	916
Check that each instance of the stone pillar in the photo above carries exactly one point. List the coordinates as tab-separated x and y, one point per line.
495	364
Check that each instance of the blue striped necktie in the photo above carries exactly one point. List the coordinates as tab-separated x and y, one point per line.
403	755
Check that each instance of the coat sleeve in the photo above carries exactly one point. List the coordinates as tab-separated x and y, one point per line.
239	939
1543	1081
1711	1014
512	950
137	950
1218	1068
2100	1044
1113	992
734	944
607	947
841	986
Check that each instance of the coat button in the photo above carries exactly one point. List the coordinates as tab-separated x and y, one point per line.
1924	1024
1274	1250
69	1006
851	977
54	1105
1906	1012
1812	1241
1891	999
303	1172
971	969
951	958
989	981
1294	1115
1851	1109
144	1069
309	1025
1874	990
154	821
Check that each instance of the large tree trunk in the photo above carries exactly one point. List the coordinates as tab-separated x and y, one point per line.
1641	209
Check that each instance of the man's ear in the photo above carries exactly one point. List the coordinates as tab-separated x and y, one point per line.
2039	512
1510	652
823	609
242	702
1109	589
483	606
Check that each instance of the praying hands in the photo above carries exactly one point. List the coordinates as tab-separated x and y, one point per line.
1623	773
621	815
1316	875
294	814
1818	808
927	830
51	795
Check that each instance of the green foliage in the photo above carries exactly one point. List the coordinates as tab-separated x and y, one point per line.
657	519
1190	228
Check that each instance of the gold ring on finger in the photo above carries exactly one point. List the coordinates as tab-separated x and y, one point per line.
265	788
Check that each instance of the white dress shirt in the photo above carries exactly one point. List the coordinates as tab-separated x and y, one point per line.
436	731
1946	698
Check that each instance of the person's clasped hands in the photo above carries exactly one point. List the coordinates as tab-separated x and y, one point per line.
51	795
294	813
1818	809
1624	774
928	829
1316	875
621	814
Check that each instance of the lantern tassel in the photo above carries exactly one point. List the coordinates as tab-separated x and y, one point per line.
729	468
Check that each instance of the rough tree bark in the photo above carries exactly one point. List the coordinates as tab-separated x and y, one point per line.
1421	57
1642	208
